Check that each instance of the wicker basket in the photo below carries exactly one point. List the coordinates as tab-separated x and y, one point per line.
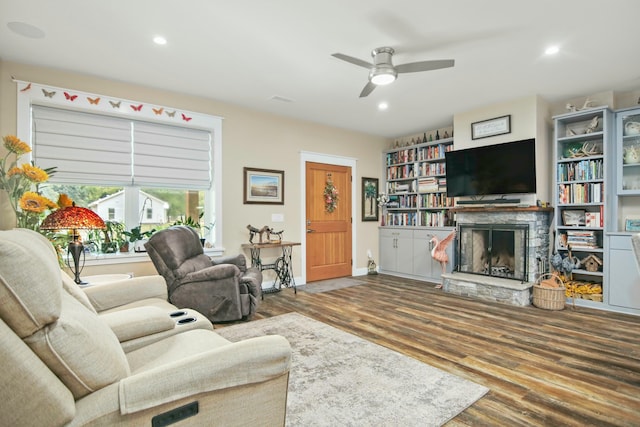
549	298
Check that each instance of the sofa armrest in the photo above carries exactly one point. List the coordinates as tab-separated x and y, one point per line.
246	362
215	272
238	260
138	322
114	294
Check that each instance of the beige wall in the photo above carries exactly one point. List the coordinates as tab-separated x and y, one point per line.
529	119
250	138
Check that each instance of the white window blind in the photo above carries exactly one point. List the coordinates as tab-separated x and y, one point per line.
105	150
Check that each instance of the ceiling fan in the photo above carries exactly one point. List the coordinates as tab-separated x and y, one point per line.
383	72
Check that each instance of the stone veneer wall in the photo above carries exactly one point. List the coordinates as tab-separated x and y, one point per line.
498	289
539	221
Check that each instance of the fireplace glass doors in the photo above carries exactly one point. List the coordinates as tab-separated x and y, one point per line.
497	250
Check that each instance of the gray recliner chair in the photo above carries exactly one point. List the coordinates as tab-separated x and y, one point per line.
223	289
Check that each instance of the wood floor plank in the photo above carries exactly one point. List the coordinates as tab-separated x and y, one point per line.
574	367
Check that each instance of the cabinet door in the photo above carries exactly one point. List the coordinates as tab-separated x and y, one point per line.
404	252
388	251
624	278
422	262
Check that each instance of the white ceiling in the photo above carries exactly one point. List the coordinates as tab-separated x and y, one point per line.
247	52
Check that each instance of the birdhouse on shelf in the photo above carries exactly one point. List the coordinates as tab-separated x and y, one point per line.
591	263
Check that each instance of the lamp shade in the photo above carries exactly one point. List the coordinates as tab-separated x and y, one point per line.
72	217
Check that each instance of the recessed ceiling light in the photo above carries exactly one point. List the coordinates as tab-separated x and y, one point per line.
552	50
383	106
26	30
159	40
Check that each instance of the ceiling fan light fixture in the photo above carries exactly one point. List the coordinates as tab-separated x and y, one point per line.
381	77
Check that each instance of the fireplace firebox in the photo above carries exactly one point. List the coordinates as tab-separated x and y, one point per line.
495	250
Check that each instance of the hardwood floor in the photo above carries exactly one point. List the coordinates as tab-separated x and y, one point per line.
574	367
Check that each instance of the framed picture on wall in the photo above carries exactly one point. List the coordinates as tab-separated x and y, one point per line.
491	127
369	199
263	186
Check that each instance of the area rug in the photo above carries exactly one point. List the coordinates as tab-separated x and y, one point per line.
330	285
339	379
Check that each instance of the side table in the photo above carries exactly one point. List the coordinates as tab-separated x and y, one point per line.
282	265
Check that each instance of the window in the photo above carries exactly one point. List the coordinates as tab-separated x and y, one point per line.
135	167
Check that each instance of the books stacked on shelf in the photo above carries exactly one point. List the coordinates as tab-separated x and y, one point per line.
593	219
405	201
434	219
592	192
426	185
434	151
582	239
584	170
432	185
401	187
401	172
402	219
435	200
402	156
430	169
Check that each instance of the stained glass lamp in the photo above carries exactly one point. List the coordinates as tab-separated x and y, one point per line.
73	218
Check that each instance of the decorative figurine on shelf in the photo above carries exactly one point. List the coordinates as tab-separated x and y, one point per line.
446	135
593	125
437	135
278	235
253	231
439	251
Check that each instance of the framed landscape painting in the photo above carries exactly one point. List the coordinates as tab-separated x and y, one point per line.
263	186
369	199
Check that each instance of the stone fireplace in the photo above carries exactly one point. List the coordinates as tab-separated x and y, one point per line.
497	250
501	252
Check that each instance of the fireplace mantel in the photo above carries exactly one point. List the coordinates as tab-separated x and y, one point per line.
497	208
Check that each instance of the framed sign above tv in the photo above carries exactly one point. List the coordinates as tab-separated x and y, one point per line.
491	127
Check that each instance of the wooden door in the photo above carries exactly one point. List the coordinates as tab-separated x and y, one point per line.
328	237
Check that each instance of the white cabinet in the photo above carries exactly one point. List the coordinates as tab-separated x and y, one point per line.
396	250
407	253
624	277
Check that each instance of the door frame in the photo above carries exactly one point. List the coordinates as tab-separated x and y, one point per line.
309	156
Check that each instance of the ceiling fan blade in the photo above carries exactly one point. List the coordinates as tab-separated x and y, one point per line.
353	60
424	66
369	87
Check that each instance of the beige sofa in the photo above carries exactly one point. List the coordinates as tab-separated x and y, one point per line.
63	365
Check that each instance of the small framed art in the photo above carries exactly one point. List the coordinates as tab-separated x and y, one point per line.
263	186
369	199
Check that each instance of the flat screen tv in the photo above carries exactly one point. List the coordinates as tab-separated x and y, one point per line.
498	169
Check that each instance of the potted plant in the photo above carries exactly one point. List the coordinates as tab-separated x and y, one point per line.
195	224
113	237
138	237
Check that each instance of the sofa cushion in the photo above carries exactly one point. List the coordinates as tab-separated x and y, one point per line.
30	281
74	290
68	337
80	349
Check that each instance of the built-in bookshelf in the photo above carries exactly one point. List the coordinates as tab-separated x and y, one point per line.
583	185
416	185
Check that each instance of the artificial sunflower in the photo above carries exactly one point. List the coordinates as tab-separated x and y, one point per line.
34	202
13	144
22	184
